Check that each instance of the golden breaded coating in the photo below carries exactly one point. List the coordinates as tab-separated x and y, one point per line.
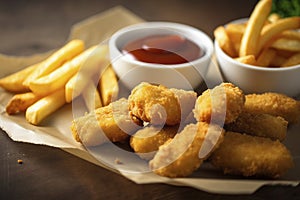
184	154
241	154
109	123
155	104
159	105
263	125
146	141
224	101
274	104
187	100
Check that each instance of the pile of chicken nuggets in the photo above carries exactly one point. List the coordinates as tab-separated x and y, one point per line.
176	130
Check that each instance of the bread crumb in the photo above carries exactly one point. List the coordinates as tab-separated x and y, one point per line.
117	161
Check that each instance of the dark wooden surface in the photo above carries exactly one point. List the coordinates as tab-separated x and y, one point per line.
28	27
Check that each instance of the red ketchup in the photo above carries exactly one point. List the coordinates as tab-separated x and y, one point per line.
163	49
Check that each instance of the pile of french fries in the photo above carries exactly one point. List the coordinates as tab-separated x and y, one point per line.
41	89
264	40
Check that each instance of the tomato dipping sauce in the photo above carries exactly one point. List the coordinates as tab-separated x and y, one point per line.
163	49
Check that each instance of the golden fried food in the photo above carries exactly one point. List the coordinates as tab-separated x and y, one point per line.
159	105
266	57
261	39
45	106
14	81
224	41
108	85
184	154
263	125
187	100
109	123
273	104
91	97
20	102
222	103
93	66
249	59
293	60
54	61
60	76
254	27
271	31
145	142
241	154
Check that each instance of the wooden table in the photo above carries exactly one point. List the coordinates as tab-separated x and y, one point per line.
28	27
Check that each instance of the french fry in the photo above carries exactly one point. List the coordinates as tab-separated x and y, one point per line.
249	59
59	77
224	41
108	85
59	57
70	88
290	34
235	32
293	60
286	45
20	102
278	60
254	26
91	97
14	82
44	107
272	30
284	53
265	58
273	17
96	63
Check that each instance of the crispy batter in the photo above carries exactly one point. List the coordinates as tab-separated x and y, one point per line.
241	154
224	101
146	141
112	120
159	105
184	154
154	104
274	104
187	100
263	125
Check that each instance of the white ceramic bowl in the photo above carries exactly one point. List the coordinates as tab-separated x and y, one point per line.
184	76
255	79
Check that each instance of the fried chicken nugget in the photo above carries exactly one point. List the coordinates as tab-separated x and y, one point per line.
263	125
146	141
159	105
182	155
241	154
225	101
110	123
274	104
187	100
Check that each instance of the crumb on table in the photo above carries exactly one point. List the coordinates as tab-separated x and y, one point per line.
117	161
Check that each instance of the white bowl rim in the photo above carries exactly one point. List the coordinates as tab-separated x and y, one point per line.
209	49
253	66
248	65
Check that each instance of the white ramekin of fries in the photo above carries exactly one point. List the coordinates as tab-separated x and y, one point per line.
262	53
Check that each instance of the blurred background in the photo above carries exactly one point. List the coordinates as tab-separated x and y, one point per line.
33	26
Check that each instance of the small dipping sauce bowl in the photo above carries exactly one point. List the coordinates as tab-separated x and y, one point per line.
171	54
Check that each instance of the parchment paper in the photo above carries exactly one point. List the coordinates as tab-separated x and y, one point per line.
55	131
